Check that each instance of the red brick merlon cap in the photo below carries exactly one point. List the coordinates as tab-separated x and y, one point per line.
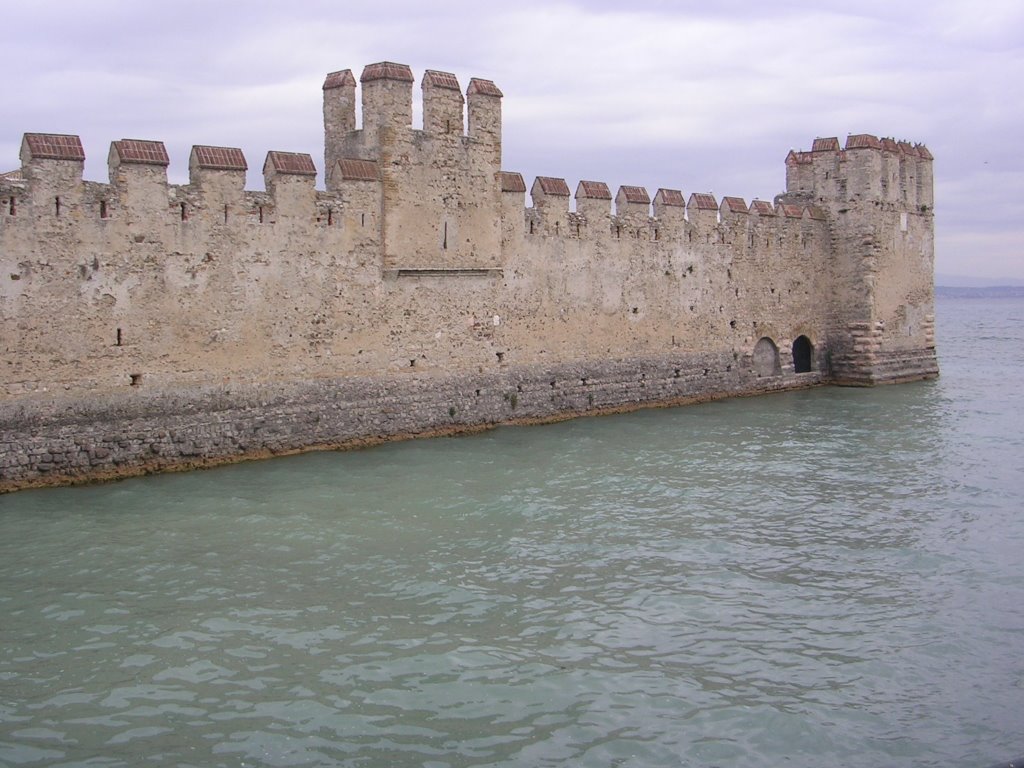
353	169
593	190
703	201
734	205
636	195
483	88
830	144
549	185
863	141
339	79
141	152
434	79
798	158
54	146
890	145
290	163
670	197
386	70
792	211
924	153
762	208
512	181
219	158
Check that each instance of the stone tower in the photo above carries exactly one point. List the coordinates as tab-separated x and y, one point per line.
440	185
878	197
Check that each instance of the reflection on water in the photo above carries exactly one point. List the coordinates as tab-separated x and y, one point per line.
823	576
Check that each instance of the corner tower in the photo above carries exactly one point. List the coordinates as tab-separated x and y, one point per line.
878	197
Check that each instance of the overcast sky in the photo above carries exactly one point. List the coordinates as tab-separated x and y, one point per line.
699	96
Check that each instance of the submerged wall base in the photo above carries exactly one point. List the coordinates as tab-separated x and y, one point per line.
888	368
57	441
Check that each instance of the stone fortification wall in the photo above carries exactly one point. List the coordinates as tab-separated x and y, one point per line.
149	325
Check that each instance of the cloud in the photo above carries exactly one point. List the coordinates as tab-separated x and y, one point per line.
695	95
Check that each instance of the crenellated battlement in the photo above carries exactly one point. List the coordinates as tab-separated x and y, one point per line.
890	171
420	291
387	98
138	191
632	213
884	169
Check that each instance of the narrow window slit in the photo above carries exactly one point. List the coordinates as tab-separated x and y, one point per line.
56	206
444	242
120	339
135	379
103	209
225	214
184	213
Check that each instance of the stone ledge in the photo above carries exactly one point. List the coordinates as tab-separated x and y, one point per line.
116	435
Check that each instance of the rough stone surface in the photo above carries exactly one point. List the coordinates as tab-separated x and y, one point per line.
149	326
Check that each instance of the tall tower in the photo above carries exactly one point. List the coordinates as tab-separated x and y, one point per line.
879	200
440	199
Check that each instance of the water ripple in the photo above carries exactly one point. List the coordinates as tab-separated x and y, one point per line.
823	576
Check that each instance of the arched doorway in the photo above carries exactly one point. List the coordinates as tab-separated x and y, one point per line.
766	358
803	353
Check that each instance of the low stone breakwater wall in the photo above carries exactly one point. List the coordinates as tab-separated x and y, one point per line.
57	440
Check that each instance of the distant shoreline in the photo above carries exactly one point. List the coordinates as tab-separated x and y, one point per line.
988	292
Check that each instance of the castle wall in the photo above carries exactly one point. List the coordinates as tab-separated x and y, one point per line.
151	326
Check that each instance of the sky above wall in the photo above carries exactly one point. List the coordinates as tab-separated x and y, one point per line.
698	96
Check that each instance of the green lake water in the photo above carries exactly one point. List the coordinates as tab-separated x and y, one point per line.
824	577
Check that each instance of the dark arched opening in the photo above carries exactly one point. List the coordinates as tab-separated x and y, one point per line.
766	358
803	351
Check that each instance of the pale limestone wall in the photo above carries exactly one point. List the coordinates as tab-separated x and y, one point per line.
202	298
425	265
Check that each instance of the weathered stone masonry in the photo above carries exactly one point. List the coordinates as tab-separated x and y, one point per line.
150	326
